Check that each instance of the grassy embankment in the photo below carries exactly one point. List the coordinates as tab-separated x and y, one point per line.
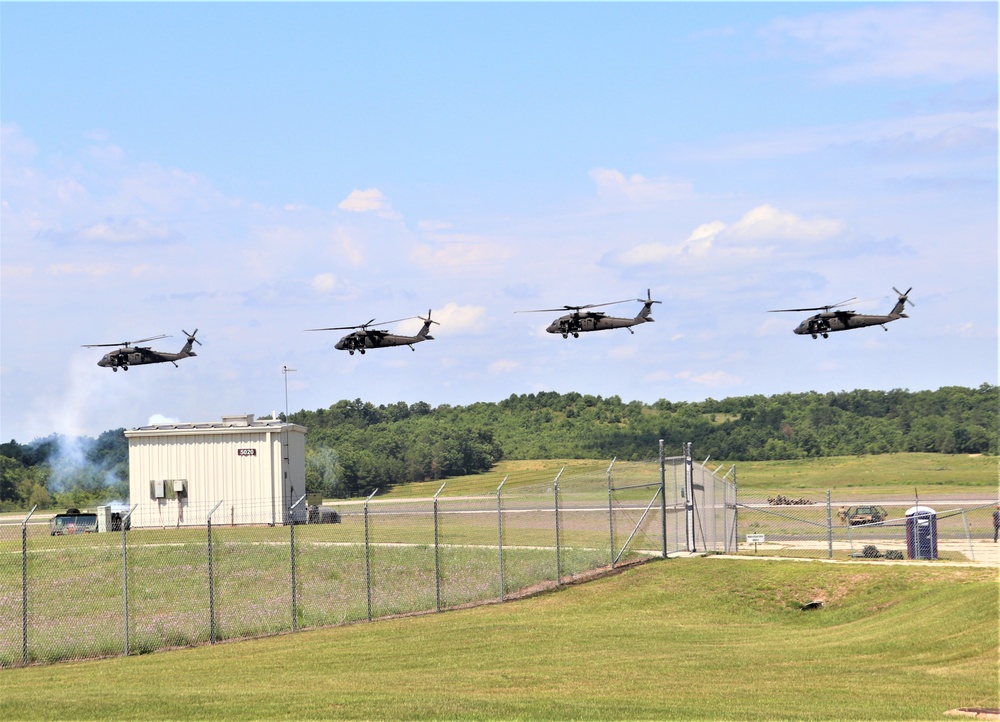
678	639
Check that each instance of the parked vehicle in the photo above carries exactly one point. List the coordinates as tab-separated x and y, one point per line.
73	522
857	515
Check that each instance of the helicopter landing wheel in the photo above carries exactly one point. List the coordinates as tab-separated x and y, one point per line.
576	335
826	335
115	369
565	335
362	351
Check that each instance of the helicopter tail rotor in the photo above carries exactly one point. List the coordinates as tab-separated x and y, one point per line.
191	336
901	302
904	297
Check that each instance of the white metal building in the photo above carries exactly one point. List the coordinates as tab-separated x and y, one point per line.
240	470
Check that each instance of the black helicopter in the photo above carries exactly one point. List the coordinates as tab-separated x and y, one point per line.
365	338
131	354
580	320
829	321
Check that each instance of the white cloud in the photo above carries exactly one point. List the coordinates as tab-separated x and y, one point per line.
636	189
84	269
347	248
711	379
767	223
456	319
696	244
459	252
762	231
941	41
365	201
325	283
503	366
621	353
130	230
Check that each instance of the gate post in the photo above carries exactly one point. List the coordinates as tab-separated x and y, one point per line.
663	499
689	498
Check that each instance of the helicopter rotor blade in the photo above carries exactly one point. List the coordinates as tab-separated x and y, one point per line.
191	336
386	323
577	309
814	308
125	343
364	326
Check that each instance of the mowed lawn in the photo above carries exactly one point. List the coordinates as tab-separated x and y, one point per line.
702	638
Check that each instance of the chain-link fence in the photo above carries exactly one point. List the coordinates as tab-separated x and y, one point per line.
204	573
956	525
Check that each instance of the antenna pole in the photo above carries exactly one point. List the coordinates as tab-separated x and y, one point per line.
285	370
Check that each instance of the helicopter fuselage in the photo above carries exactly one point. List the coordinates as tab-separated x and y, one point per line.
127	355
826	323
363	341
576	324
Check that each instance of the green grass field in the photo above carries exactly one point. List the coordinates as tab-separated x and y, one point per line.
855	476
685	639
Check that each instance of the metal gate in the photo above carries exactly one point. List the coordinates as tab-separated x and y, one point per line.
709	506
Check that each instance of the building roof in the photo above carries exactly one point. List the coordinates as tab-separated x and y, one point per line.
239	422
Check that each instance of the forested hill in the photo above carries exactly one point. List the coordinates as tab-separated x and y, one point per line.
354	445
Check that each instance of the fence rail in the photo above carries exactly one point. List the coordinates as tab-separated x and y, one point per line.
204	573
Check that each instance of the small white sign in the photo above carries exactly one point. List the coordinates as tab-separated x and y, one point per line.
755	538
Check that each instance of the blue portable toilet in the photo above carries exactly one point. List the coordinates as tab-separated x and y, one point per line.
921	533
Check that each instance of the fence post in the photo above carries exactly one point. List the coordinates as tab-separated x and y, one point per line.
736	512
663	499
437	553
968	536
24	587
211	581
829	526
368	559
125	525
611	511
555	490
500	534
291	536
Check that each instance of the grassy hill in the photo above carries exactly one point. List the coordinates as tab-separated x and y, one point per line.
687	639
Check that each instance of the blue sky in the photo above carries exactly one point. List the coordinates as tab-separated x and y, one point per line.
253	170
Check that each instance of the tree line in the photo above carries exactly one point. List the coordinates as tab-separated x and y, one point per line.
355	447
